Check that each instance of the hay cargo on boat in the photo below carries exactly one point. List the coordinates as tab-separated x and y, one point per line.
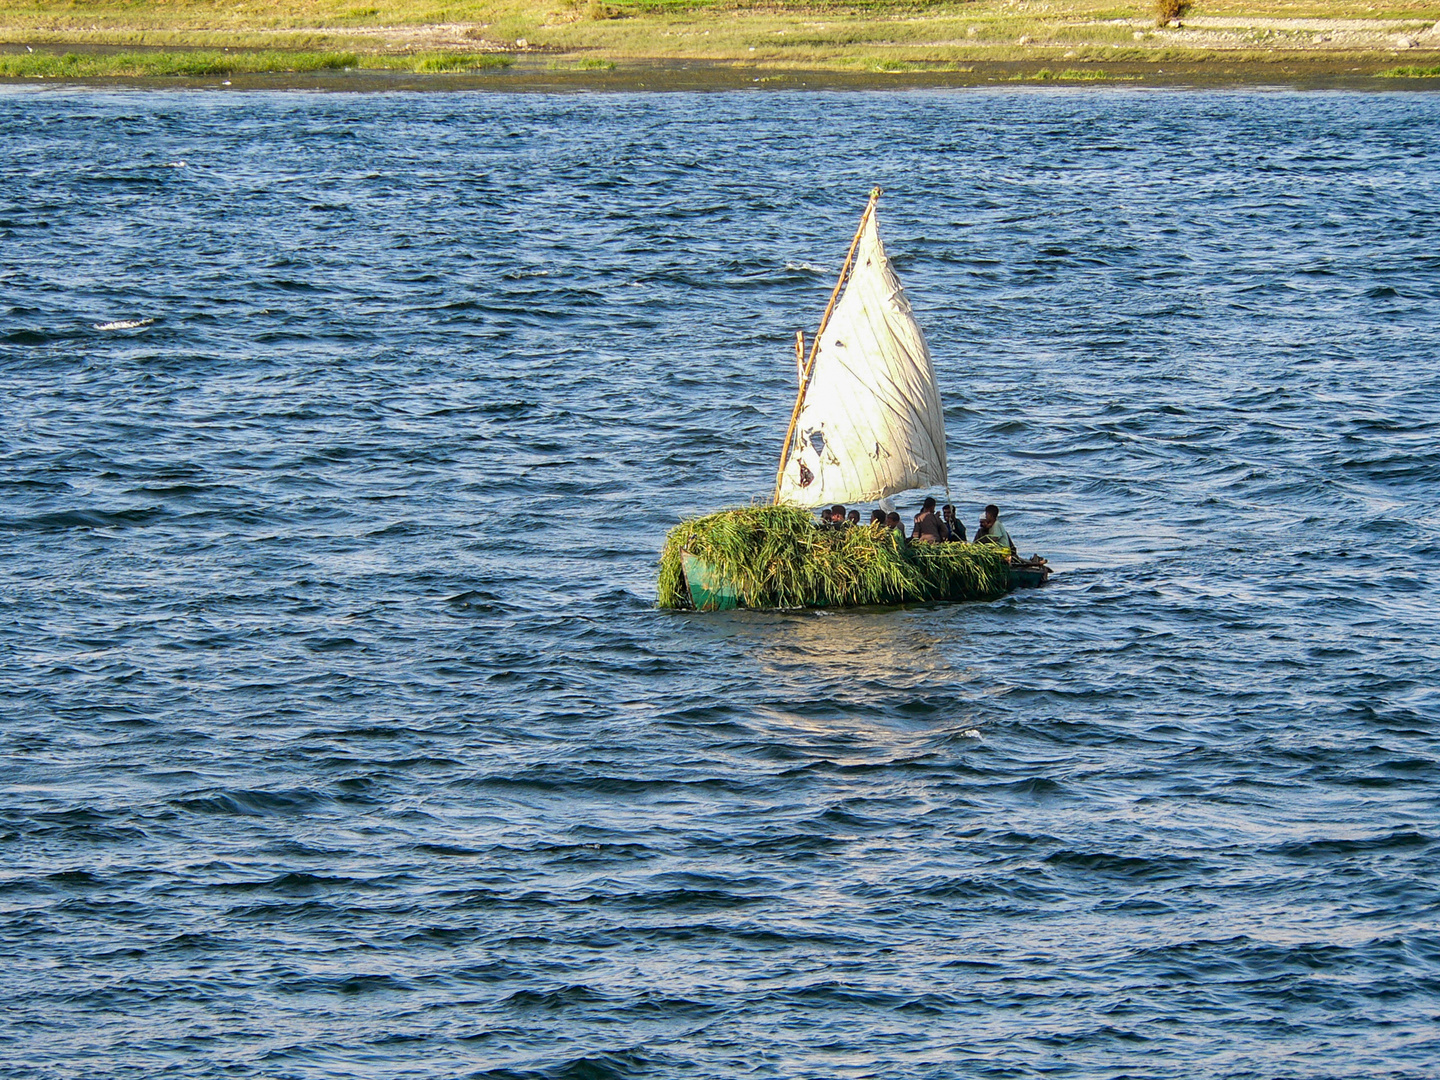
776	557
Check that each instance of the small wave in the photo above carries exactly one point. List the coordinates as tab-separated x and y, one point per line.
250	803
1326	848
30	337
84	519
556	998
357	983
125	324
606	1066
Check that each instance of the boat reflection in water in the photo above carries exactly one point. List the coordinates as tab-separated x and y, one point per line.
858	683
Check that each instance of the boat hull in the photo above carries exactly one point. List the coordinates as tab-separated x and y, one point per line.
709	591
1027	577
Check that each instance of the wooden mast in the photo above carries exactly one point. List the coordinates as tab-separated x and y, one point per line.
815	344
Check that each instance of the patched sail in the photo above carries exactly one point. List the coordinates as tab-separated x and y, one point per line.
870	424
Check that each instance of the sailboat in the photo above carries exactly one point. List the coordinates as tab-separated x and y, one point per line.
867	424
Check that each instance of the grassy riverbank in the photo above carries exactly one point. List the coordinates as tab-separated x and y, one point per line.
202	62
1081	40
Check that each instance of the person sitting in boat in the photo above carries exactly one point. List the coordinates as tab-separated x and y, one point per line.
927	526
953	526
877	517
852	519
834	518
992	532
892	521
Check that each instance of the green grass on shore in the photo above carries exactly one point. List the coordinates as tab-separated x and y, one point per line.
41	65
435	62
153	64
1411	72
1069	75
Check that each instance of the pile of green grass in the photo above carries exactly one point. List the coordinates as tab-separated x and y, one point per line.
776	557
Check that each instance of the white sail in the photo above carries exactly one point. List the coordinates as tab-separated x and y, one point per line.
871	424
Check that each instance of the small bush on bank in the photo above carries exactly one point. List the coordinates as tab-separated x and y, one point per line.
1168	11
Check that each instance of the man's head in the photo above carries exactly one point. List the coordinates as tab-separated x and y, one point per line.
853	517
948	512
892	521
928	505
825	517
991	515
877	517
837	513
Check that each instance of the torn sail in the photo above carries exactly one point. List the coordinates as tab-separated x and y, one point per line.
870	424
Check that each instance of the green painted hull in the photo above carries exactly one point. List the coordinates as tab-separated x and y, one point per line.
708	590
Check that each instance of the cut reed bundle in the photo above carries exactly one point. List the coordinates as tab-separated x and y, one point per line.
776	557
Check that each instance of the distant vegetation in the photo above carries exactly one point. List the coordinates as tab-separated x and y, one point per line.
1412	72
1168	11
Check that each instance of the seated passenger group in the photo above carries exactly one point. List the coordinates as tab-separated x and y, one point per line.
929	529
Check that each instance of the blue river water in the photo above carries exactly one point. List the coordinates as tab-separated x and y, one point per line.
341	735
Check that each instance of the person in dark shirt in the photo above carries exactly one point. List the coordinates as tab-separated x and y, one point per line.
927	526
877	517
852	519
954	527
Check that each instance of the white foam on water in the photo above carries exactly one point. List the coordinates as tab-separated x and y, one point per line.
124	324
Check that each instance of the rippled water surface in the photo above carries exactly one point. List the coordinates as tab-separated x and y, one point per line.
341	736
